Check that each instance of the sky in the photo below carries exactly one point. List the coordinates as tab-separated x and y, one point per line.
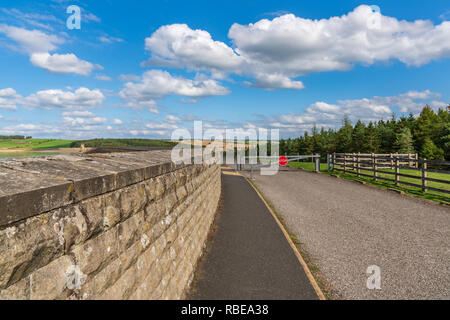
142	69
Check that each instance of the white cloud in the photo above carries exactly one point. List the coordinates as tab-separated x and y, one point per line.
172	118
275	81
278	50
154	128
39	20
29	129
78	114
161	125
178	45
69	121
156	84
117	121
365	109
8	99
61	63
89	16
59	99
304	45
150	105
39	45
108	39
31	41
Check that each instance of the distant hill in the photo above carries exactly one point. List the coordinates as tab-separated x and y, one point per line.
93	143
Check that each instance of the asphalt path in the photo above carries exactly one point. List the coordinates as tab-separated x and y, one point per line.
346	227
247	256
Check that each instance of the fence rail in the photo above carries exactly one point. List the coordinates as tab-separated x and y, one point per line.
354	163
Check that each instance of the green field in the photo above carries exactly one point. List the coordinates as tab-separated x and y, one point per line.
34	144
310	166
40	144
414	191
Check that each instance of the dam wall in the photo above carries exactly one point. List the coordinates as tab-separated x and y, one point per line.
103	226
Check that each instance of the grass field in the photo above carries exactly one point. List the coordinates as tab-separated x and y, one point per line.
34	144
37	144
414	191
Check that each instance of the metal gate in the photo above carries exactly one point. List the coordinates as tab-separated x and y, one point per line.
264	161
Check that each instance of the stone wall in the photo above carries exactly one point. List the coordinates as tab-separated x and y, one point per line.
115	226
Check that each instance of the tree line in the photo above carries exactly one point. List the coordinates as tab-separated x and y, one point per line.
15	137
428	135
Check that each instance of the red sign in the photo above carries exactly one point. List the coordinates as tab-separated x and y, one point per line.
283	161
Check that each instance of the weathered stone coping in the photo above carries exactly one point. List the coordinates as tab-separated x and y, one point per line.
31	186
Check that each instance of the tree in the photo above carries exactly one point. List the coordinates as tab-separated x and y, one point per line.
431	151
404	141
344	136
371	139
424	127
386	134
446	142
358	137
428	134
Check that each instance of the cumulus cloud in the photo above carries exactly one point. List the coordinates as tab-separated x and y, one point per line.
275	81
304	46
276	51
177	45
58	99
61	63
8	99
172	118
39	45
117	121
83	121
156	84
365	109
29	129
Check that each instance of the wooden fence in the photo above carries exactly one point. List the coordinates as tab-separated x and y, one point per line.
354	163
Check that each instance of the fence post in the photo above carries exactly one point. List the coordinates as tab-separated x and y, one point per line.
353	161
397	171
409	160
424	175
357	165
317	163
334	160
392	160
417	160
345	162
374	165
329	161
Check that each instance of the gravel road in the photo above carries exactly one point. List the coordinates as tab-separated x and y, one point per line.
347	227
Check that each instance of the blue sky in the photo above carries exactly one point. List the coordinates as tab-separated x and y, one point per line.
146	68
